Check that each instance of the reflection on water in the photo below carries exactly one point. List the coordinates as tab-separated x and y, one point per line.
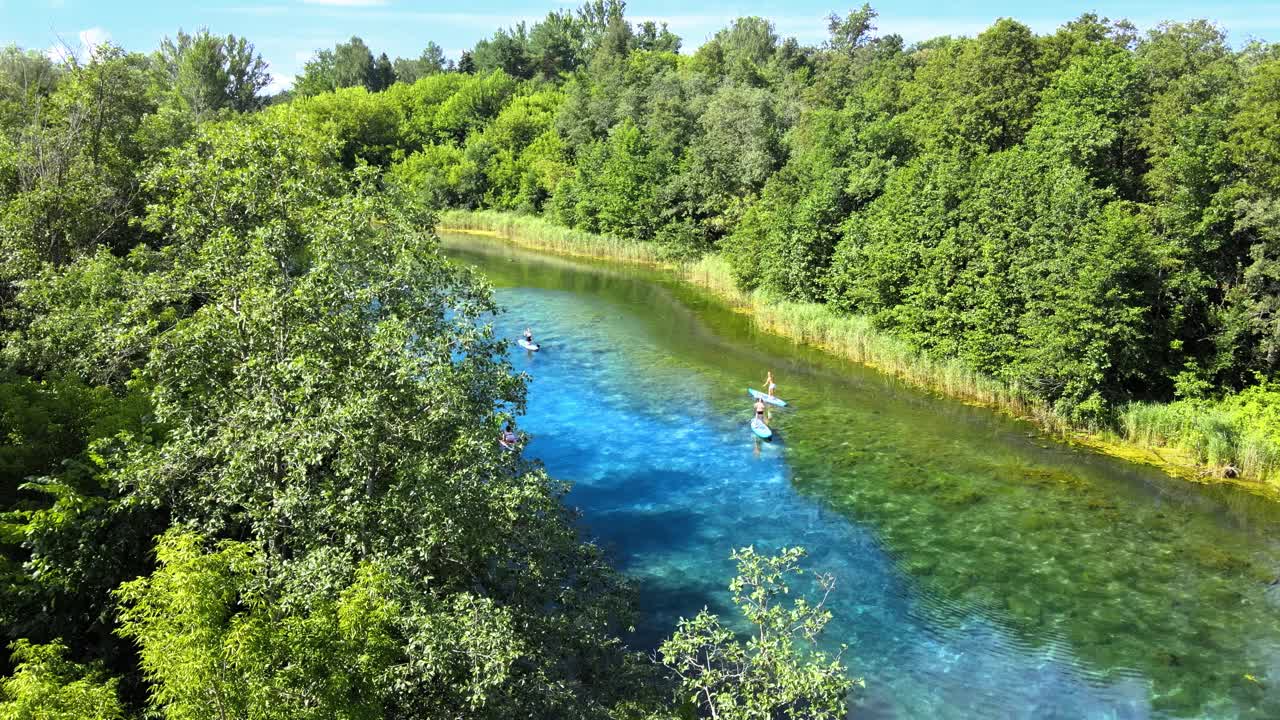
984	571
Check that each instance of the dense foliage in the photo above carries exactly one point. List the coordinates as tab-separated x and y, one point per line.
768	676
248	412
1089	216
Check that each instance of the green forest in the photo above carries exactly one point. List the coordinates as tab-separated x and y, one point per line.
1088	217
248	465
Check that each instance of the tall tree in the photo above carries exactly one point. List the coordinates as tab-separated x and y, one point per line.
353	64
348	64
467	63
70	170
507	50
651	36
208	73
382	75
741	51
317	75
557	45
430	62
1255	145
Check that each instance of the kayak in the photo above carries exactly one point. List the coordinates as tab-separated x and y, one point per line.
767	398
761	430
528	345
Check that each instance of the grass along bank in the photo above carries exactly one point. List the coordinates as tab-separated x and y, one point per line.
1236	439
534	232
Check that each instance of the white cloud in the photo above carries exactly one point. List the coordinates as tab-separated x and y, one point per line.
92	37
278	83
346	3
90	40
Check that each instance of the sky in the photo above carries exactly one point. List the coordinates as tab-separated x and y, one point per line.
287	32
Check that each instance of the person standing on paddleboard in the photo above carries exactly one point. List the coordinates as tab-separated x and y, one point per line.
770	386
760	411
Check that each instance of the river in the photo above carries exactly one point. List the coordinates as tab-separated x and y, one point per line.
983	569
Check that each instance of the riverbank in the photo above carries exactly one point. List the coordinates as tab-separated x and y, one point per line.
1172	437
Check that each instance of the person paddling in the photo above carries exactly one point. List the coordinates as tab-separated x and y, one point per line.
760	411
770	387
528	336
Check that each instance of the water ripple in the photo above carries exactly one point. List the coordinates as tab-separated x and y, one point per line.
982	572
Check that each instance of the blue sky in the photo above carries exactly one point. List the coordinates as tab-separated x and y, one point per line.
286	32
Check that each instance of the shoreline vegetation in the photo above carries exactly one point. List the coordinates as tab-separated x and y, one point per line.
1204	442
250	418
249	437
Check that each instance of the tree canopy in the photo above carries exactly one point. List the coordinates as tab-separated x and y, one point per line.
248	410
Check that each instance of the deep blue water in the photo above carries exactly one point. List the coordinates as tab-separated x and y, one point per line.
643	408
671	487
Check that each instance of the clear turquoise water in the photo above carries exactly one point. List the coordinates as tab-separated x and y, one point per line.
983	571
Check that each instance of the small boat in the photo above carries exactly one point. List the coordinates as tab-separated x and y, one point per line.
767	398
761	430
533	347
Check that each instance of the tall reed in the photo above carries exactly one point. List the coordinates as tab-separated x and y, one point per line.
535	232
1219	434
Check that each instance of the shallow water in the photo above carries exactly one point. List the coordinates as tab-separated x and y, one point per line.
984	571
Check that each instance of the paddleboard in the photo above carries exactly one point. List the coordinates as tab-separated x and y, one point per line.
767	398
760	429
528	345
